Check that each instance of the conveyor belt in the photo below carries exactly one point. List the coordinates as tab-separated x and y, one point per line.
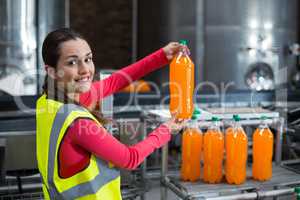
281	177
223	113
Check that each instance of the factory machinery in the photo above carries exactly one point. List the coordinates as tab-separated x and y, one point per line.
251	44
24	181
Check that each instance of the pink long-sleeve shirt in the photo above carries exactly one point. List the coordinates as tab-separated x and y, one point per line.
84	137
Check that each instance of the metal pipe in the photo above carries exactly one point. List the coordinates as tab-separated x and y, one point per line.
11	188
178	192
67	13
279	136
16	133
32	177
157	174
37	51
292	161
255	195
164	172
134	30
164	162
251	195
132	193
144	163
199	41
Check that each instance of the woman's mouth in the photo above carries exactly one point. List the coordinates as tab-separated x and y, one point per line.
83	79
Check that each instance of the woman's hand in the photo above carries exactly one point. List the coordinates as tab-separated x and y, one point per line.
173	48
175	125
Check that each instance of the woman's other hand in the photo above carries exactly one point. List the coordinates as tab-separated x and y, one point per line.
172	49
175	125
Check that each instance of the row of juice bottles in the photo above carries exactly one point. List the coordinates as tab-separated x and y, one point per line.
211	147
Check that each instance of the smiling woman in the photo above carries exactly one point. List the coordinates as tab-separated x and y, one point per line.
77	157
74	69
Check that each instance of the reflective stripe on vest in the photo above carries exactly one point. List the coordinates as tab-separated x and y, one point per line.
106	174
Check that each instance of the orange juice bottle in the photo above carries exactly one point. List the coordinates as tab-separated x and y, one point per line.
236	145
262	152
182	84
191	151
213	153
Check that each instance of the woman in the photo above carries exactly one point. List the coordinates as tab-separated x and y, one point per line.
77	157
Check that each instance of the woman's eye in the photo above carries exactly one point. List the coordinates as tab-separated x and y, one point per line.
72	62
88	59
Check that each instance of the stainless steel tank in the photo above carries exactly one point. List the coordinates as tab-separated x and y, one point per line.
245	42
18	47
229	39
23	27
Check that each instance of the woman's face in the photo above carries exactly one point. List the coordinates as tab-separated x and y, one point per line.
75	68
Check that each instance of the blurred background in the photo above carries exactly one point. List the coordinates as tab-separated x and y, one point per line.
246	54
252	44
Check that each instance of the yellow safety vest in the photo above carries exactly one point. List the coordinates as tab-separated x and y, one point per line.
99	180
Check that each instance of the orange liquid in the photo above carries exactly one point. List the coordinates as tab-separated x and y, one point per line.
181	86
262	154
191	155
213	153
236	155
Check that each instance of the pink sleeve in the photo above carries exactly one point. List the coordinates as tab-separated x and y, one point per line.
123	77
95	139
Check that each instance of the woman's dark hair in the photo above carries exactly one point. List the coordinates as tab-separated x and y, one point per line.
51	54
52	44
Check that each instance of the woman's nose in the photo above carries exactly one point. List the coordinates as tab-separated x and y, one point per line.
83	68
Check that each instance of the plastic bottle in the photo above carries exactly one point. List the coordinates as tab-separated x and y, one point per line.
236	145
262	152
191	150
181	84
213	153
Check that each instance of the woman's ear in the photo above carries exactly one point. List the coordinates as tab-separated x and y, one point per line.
50	71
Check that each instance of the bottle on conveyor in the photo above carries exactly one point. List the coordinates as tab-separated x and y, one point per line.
213	153
191	150
236	146
262	152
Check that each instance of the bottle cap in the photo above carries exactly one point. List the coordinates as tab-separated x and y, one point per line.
236	118
215	119
263	117
297	191
196	113
183	42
